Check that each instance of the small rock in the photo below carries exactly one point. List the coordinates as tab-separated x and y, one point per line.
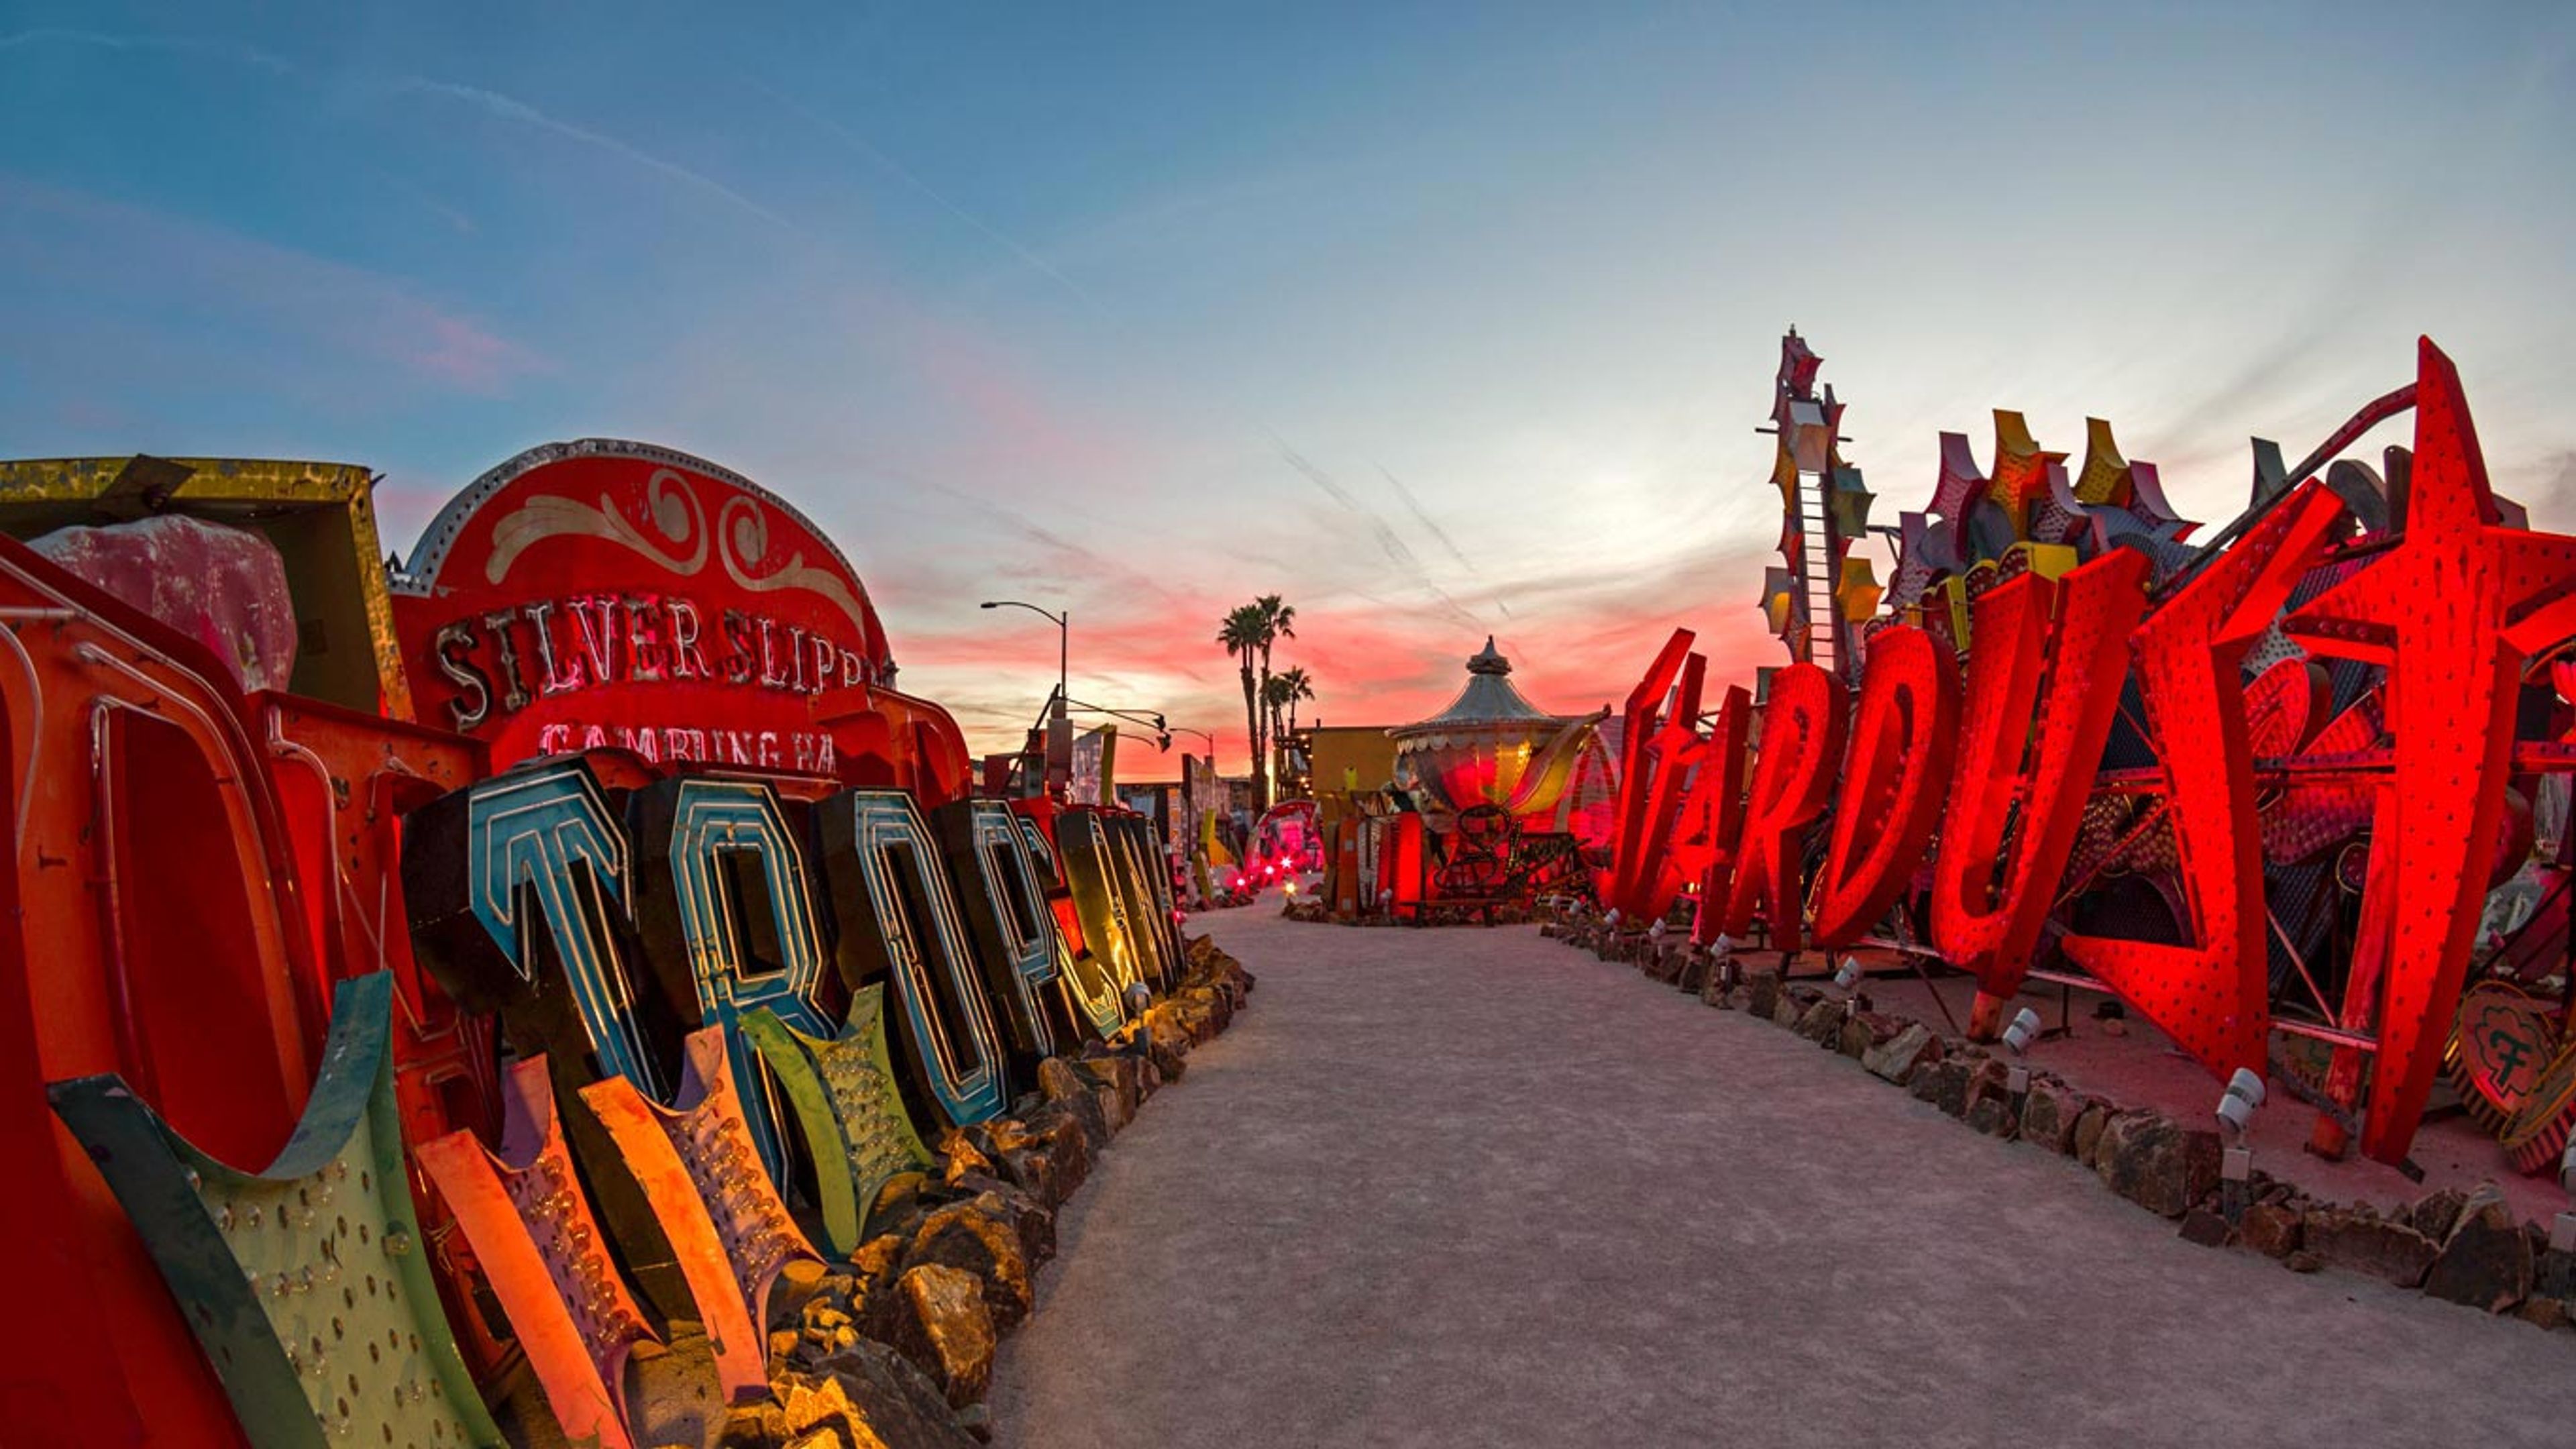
895	1399
1867	1031
1125	1075
873	1265
2485	1261
963	1155
754	1426
962	1236
1788	1011
1058	1080
1823	1024
826	1326
2303	1261
1714	992
1934	1080
1047	1157
2361	1241
2438	1213
1994	1116
2085	1145
1964	1081
2049	1112
2206	1228
1900	1057
1067	1093
937	1318
1027	1217
1762	992
2156	1162
2544	1312
2271	1229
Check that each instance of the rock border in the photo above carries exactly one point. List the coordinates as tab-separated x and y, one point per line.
2464	1248
894	1349
1313	911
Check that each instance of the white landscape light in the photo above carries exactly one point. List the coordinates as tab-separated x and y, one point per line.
1725	945
2567	1166
2244	1094
2023	1029
1848	976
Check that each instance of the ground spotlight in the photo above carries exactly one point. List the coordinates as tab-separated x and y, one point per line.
2244	1094
1847	975
2024	1029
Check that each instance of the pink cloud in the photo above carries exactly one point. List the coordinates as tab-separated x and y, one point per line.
223	290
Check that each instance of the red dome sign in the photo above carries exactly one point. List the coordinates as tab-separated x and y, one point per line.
612	594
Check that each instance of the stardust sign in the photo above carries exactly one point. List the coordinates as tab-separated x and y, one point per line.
2340	692
605	594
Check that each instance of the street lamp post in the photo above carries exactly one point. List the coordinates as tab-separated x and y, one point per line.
1059	751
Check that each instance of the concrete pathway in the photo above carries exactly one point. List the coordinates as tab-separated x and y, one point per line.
1467	1187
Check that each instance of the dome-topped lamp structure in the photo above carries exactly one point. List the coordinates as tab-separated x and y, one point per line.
1492	747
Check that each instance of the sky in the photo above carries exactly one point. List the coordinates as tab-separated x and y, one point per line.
1439	321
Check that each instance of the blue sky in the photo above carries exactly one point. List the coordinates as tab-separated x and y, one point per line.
1439	320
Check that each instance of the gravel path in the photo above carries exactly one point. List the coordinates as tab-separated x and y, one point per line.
1470	1187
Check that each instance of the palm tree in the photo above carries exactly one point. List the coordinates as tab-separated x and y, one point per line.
1274	702
1282	693
1300	686
1278	621
1240	633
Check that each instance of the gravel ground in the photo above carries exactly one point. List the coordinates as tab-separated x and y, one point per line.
1470	1187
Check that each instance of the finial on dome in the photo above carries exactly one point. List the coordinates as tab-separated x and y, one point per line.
1490	660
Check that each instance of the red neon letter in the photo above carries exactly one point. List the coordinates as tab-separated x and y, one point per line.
2213	999
1893	781
2028	754
1714	810
1802	739
1650	784
2452	611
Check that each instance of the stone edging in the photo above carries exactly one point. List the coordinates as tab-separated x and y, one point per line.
1313	911
895	1347
2466	1248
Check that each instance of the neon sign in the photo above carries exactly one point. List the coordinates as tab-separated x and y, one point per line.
2066	592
